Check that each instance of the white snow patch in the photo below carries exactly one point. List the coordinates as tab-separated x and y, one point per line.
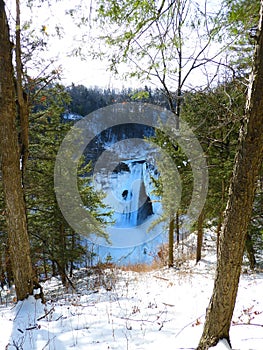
222	345
132	310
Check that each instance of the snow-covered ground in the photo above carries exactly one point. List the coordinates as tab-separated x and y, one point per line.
126	310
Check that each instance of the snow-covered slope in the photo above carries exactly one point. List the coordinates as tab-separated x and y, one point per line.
119	309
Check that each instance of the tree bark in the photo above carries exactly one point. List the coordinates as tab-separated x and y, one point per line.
200	233
171	243
177	225
19	247
22	100
238	211
62	266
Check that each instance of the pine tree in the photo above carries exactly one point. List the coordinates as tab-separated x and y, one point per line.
56	248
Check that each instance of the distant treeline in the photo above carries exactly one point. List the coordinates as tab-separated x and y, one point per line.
86	100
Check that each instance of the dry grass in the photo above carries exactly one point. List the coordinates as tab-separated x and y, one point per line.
155	265
182	254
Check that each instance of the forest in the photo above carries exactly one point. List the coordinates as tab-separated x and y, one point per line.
213	140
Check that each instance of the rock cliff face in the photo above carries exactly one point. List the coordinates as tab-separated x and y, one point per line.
114	134
145	210
121	167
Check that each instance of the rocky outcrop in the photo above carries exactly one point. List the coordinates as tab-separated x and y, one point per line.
145	206
121	167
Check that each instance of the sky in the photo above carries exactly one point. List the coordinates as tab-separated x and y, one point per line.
87	72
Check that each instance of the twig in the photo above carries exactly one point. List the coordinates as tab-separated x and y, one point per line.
57	319
22	303
248	324
33	327
40	318
188	324
142	320
48	343
171	305
162	278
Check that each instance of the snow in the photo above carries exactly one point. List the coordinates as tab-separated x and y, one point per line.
119	309
222	345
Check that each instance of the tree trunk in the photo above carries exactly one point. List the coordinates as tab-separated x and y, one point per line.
177	224
238	210
22	101
62	266
45	265
200	233
171	243
11	174
73	245
8	267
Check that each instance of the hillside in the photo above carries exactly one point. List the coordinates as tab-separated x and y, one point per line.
120	309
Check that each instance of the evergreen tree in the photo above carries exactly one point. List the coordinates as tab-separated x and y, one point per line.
215	115
55	246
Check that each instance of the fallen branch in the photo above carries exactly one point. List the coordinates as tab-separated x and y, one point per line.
46	314
33	327
57	319
170	305
142	320
162	278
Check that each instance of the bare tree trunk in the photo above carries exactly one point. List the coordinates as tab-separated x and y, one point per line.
73	245
62	266
45	265
200	233
177	224
8	267
238	212
11	174
171	243
22	100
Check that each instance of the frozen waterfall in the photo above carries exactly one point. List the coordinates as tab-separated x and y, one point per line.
129	194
